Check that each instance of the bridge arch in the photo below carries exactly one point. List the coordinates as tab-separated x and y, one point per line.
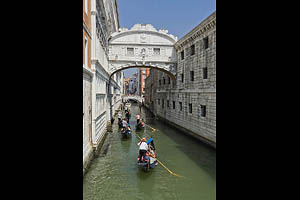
168	71
143	46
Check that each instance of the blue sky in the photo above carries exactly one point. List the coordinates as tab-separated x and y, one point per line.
177	16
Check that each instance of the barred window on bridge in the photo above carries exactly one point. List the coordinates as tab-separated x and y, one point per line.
156	51
130	52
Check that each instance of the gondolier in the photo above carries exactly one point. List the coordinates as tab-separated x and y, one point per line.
143	148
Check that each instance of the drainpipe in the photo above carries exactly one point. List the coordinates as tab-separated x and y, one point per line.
93	109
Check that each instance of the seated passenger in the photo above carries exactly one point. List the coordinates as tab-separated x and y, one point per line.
143	124
129	128
147	157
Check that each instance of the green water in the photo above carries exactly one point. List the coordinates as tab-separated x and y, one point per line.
114	174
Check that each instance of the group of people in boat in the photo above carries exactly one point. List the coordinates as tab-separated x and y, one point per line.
139	123
124	124
147	155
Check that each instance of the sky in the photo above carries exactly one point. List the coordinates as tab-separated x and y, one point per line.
177	16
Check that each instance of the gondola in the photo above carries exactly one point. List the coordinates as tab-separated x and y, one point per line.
149	161
125	132
140	126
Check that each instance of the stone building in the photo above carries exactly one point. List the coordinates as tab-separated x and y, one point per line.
150	90
142	75
126	86
189	103
102	95
87	83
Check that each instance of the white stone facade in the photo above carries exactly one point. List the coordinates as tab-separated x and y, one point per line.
87	115
101	31
104	21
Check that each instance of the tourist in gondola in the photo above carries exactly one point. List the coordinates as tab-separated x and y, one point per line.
124	122
137	119
128	116
119	116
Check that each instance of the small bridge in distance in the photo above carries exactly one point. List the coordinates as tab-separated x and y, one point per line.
135	98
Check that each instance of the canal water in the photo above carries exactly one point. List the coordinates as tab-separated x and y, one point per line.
114	174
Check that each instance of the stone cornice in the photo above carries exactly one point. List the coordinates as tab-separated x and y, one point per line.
86	28
139	44
100	69
206	90
88	71
170	37
206	25
147	63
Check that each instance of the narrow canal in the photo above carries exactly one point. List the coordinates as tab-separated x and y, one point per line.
114	174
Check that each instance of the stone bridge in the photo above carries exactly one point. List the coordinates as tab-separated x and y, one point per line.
142	47
133	98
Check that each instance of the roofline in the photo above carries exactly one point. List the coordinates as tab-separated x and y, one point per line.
189	34
119	34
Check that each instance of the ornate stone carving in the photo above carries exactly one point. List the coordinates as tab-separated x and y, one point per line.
143	38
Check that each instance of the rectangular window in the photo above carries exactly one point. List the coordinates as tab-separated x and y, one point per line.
182	78
180	106
193	50
159	82
130	52
205	40
169	81
163	103
168	105
156	51
190	108
173	104
158	101
86	52
202	110
86	6
192	75
205	73
164	81
182	55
